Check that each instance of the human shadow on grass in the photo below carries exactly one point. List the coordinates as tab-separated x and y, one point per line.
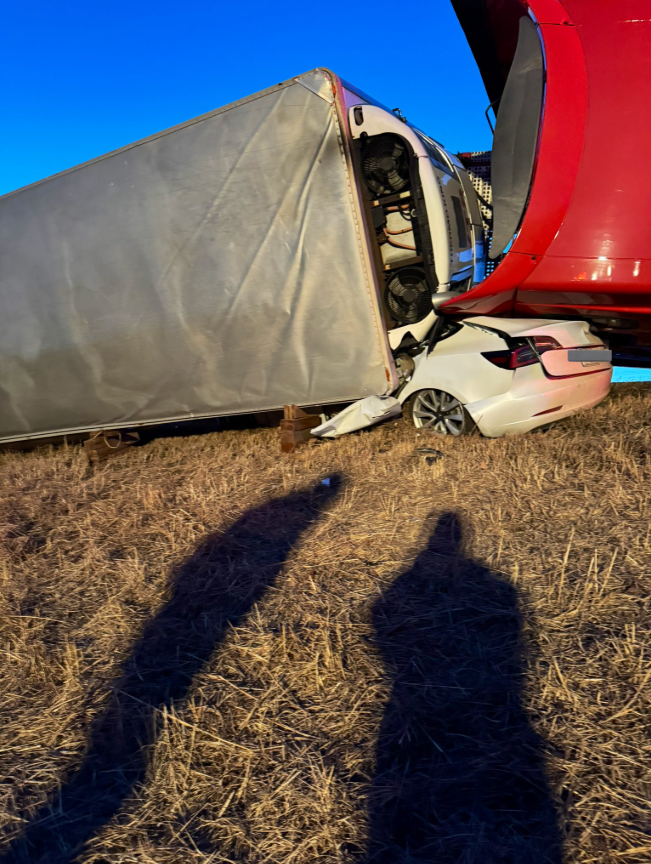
459	775
214	590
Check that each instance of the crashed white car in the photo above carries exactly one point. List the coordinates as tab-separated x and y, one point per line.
502	376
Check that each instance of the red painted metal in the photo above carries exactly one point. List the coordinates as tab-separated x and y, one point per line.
584	245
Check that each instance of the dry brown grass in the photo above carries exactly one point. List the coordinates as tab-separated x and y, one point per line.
281	658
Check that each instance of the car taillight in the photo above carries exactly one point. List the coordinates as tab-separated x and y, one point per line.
523	352
545	343
523	355
498	358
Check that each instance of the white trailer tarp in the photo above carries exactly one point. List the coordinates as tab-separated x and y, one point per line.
215	268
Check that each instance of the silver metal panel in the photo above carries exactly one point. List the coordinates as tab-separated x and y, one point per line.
516	136
215	268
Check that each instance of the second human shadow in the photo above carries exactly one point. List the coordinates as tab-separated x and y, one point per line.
459	774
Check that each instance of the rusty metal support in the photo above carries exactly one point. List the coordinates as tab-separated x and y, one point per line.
108	442
295	427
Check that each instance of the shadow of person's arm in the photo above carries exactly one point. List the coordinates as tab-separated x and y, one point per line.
213	590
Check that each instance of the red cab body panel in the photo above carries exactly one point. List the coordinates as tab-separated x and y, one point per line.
584	244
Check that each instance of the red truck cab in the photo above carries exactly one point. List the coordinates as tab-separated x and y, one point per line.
569	81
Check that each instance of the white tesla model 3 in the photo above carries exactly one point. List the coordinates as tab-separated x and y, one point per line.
504	376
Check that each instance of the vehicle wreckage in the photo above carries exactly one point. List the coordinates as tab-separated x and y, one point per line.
309	246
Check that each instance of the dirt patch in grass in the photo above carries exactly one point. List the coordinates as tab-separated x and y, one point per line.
209	655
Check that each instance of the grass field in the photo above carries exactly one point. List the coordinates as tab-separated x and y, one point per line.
208	655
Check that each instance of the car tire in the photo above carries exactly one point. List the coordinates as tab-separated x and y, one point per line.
423	407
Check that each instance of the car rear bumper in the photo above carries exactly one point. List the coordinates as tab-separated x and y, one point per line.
521	410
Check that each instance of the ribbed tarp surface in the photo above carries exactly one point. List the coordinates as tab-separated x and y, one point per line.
215	268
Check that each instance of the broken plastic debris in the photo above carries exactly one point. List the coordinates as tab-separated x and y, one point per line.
359	415
431	455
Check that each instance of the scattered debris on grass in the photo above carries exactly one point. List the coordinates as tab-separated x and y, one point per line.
431	455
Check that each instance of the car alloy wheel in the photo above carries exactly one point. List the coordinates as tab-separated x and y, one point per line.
440	412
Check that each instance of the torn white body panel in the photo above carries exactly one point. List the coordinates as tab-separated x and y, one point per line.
455	365
360	415
420	330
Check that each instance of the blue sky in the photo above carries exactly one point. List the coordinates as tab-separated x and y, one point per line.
621	373
79	79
